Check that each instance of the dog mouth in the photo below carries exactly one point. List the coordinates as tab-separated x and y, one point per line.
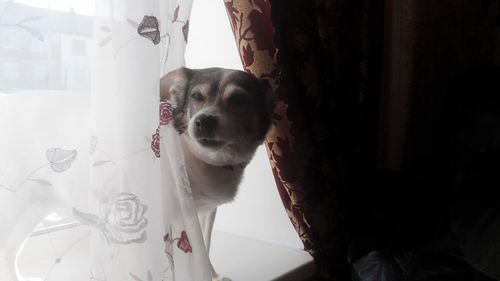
207	142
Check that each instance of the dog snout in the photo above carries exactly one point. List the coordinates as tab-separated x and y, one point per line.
205	125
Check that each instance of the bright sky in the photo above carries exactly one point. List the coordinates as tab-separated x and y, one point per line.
84	7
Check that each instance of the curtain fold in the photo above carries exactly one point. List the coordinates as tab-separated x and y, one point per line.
100	152
323	124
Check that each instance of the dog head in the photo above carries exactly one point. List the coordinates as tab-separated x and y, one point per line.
222	114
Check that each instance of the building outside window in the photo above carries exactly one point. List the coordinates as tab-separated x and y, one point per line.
38	45
78	48
9	41
11	71
40	72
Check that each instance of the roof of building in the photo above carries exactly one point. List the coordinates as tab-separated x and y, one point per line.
45	19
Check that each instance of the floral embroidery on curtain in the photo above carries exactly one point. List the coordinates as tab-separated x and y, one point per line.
126	182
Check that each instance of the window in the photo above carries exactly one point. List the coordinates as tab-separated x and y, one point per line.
38	45
40	72
11	71
9	41
78	48
235	218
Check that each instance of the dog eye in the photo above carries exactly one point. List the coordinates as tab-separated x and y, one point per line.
237	100
197	96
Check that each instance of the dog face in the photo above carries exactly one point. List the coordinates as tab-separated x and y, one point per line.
223	114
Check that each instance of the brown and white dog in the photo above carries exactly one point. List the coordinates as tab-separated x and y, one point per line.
223	116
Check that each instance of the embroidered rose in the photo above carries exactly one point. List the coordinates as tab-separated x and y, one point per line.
183	243
124	212
121	218
165	112
155	143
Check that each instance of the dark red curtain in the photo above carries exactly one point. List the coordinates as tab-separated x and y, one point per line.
360	86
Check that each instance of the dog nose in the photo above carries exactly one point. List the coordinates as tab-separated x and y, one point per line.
205	124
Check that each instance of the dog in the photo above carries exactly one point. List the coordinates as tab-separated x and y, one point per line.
222	116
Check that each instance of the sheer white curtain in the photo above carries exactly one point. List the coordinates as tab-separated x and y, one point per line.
84	137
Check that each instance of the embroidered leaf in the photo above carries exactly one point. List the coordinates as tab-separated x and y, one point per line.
88	219
150	28
104	41
41	182
99	163
105	28
176	13
60	159
185	31
166	237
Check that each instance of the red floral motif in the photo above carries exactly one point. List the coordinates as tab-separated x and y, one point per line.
285	160
248	55
165	112
262	26
233	13
184	244
282	190
155	143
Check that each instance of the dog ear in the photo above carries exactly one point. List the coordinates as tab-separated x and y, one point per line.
173	87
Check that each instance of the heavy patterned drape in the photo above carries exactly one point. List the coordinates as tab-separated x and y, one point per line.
360	90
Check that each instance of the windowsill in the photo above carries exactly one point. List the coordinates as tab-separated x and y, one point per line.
239	258
247	259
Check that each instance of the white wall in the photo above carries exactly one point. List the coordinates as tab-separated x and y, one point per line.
257	211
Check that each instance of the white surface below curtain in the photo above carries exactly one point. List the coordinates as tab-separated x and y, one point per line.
100	151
